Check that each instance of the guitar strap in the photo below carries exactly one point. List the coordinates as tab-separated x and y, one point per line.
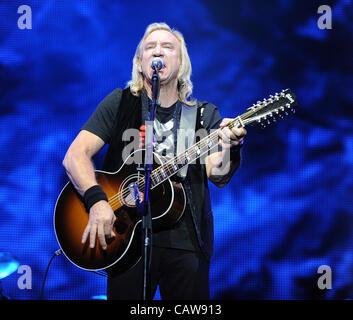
186	132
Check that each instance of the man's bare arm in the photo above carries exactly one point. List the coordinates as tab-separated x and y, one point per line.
80	169
78	160
220	166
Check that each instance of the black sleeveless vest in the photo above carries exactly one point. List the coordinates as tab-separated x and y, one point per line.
131	114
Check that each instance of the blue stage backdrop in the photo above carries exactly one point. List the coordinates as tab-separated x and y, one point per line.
288	209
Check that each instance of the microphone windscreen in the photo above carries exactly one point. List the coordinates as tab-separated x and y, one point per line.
157	63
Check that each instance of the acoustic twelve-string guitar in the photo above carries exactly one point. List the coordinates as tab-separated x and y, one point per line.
167	198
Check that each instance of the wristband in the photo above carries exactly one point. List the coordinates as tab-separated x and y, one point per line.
93	195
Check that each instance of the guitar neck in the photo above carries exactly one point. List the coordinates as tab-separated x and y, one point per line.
262	113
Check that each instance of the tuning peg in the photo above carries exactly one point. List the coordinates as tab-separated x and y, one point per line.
252	107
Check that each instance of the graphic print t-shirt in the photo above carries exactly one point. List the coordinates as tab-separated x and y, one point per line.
163	125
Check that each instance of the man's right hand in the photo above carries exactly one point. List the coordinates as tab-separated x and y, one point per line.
101	221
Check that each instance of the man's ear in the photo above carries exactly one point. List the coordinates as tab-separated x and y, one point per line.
139	68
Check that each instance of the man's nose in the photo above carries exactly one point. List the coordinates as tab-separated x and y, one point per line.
158	51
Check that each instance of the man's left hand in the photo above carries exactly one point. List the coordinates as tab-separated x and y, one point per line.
230	138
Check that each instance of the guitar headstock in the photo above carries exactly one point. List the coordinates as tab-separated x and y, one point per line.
270	110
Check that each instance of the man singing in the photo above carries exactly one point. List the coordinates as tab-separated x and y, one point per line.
181	253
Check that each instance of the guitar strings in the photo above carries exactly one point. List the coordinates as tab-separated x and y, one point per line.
118	199
169	164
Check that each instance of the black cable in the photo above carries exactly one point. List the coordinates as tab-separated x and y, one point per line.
99	273
57	252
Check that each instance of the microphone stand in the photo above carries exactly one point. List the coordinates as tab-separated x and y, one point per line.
144	207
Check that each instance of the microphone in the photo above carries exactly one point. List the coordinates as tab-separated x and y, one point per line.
157	63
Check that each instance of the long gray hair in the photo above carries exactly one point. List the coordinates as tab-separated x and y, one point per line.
184	83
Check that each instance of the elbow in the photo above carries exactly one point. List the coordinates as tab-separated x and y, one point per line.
69	159
66	160
74	155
